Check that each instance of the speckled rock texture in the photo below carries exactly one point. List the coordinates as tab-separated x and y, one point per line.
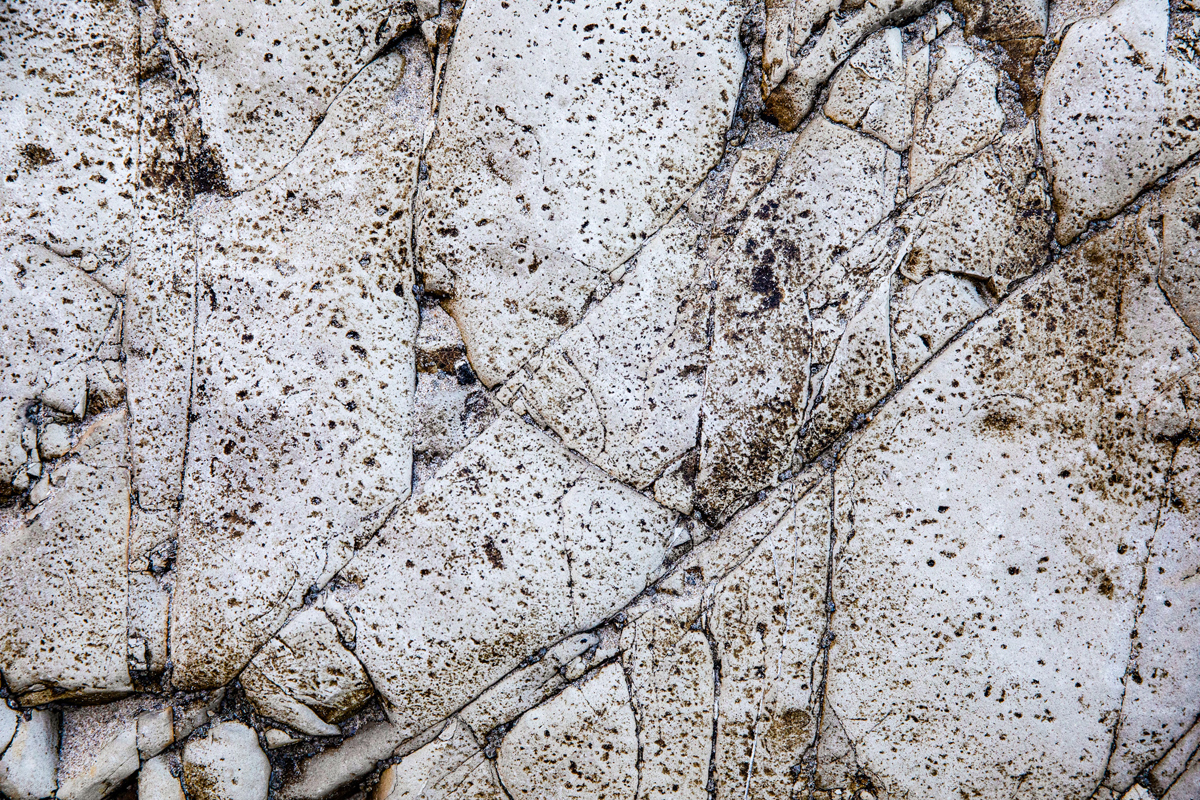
600	400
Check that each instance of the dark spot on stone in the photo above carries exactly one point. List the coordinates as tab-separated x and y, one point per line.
493	555
34	156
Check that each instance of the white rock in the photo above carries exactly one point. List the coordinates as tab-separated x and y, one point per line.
1179	277
833	186
815	50
303	396
356	757
766	621
752	171
994	566
1187	785
874	89
1117	112
277	738
226	764
155	731
305	678
562	143
450	408
542	545
928	314
99	750
8	726
63	584
1164	679
269	74
67	155
527	686
860	373
676	488
992	219
149	611
1137	792
1172	765
672	681
591	749
155	781
158	325
964	121
29	763
451	766
54	441
56	316
622	388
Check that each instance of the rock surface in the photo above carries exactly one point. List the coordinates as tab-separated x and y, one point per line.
226	764
492	400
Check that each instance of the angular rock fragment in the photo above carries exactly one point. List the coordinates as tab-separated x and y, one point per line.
304	375
155	781
1003	20
268	75
1118	112
305	678
450	407
56	319
991	221
962	118
527	686
672	687
751	172
226	764
767	620
876	89
565	137
623	387
149	611
1019	26
63	578
860	373
451	767
1161	692
68	127
161	291
99	750
514	544
991	536
756	386
29	760
582	743
1187	785
807	41
155	731
1180	278
928	314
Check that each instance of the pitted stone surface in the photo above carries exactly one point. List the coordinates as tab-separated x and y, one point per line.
493	400
304	373
566	136
513	543
1120	110
269	74
69	126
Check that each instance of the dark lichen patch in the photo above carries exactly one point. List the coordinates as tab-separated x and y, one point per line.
998	421
34	155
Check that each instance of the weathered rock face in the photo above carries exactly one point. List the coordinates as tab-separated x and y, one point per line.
304	375
565	137
494	400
